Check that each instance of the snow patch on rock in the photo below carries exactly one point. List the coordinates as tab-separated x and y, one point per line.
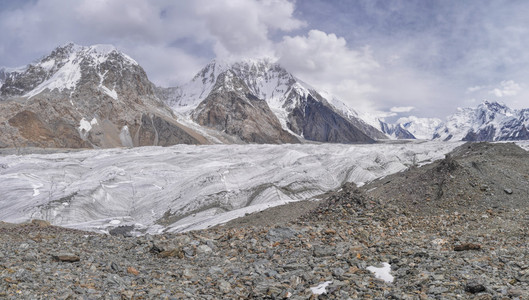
320	288
85	127
125	137
382	272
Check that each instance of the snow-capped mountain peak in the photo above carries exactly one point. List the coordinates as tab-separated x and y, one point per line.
61	70
86	96
266	80
490	121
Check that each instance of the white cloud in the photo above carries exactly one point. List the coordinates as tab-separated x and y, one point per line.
241	27
507	88
432	65
476	88
401	109
326	61
161	35
171	65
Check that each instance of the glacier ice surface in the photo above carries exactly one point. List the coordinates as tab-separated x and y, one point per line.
187	187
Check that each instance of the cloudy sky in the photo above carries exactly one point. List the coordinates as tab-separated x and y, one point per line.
396	58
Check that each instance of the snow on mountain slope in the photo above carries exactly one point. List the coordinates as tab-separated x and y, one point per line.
188	187
268	81
523	144
421	128
395	131
62	70
490	121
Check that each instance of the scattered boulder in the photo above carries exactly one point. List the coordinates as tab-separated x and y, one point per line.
467	246
124	230
474	287
40	223
279	234
66	257
133	271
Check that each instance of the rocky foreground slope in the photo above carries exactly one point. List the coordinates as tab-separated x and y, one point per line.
440	244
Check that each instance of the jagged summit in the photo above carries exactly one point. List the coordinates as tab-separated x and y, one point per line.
262	76
100	52
64	68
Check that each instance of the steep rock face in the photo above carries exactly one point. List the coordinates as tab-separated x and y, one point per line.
317	122
97	92
285	95
490	121
231	108
41	134
156	130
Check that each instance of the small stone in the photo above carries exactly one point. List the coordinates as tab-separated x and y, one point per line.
279	234
225	286
467	246
514	292
124	230
115	280
338	272
484	297
330	231
203	249
133	271
321	251
439	277
508	191
114	266
127	295
66	257
484	187
189	251
188	273
172	253
474	288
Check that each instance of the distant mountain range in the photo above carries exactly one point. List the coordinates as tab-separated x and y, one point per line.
490	121
96	96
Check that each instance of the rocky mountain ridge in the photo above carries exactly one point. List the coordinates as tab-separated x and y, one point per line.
98	97
84	97
490	121
300	109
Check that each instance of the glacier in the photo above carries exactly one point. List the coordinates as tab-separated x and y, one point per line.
185	187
